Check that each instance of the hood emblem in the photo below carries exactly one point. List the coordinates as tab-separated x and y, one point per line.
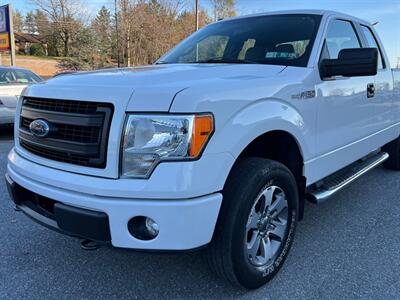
39	128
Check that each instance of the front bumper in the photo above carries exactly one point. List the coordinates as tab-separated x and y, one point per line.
7	115
66	219
184	224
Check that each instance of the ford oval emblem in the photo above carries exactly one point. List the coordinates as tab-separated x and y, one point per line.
39	128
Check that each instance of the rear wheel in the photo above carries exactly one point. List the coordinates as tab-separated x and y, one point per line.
393	149
257	223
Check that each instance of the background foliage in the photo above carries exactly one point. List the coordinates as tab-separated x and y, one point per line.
137	33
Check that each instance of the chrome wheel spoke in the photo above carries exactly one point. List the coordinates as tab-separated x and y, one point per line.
268	196
279	231
266	250
278	205
253	220
254	245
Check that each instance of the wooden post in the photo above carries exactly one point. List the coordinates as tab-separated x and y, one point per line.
197	15
117	31
12	40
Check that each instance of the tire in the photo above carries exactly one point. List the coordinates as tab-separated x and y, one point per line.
393	149
233	253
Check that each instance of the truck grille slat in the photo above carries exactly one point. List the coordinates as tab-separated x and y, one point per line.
57	155
65	138
62	105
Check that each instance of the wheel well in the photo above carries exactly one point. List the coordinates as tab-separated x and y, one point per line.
280	146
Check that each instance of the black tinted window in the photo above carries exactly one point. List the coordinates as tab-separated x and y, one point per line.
275	39
373	44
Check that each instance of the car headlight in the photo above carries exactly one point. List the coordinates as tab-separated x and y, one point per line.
150	139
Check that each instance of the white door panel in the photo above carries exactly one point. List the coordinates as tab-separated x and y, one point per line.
346	114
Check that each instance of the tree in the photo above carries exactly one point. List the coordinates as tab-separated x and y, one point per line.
124	20
102	31
149	28
42	24
30	24
223	9
18	21
83	56
64	17
186	20
36	22
146	30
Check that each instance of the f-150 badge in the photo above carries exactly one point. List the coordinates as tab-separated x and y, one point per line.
305	95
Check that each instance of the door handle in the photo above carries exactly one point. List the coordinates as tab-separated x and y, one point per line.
370	90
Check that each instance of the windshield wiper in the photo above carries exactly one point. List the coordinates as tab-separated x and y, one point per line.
225	61
216	61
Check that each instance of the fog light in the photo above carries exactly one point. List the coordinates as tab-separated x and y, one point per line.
152	227
143	228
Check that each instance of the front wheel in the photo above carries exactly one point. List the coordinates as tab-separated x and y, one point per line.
257	223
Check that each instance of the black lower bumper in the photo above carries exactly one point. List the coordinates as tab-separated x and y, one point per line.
57	216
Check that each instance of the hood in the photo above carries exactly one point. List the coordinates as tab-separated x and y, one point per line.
148	88
9	101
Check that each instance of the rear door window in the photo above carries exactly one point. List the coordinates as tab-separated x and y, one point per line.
371	40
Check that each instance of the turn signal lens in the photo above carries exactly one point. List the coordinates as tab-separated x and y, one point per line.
203	127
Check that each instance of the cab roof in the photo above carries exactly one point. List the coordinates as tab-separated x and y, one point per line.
320	12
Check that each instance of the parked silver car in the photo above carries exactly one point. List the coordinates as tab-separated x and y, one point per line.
12	81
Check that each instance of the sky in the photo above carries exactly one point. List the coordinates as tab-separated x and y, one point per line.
386	12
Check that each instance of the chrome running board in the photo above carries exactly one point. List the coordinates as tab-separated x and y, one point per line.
335	183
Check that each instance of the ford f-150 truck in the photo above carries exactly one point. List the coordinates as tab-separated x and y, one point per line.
217	145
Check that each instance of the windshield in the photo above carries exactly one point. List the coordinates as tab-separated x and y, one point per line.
274	39
17	76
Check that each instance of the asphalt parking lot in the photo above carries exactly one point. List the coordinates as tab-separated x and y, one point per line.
346	248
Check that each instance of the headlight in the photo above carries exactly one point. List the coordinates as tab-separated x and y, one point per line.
150	139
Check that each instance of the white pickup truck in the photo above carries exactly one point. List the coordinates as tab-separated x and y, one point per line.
217	145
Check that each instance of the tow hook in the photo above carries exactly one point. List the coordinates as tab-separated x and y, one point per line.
89	245
16	208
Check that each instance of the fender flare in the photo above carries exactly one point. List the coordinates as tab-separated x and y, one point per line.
251	122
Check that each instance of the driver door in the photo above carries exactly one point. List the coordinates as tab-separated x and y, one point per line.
346	115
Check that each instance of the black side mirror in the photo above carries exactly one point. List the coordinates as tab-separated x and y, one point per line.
351	62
